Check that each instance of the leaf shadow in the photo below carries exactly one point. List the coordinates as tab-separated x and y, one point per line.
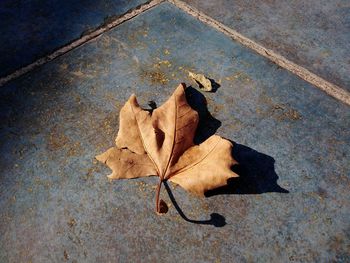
216	219
256	170
207	125
214	85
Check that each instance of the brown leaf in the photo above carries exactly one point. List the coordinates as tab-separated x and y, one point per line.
128	134
203	82
205	167
126	164
161	144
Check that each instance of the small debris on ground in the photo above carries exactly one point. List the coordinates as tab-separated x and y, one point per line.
203	82
65	254
72	222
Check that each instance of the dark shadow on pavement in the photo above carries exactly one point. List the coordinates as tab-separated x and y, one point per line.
214	85
256	172
207	125
216	220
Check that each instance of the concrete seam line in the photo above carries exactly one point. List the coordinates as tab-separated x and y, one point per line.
330	88
80	41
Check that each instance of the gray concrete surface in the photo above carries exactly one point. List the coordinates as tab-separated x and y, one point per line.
292	140
314	34
32	29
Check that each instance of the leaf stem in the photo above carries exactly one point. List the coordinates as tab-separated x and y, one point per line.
157	195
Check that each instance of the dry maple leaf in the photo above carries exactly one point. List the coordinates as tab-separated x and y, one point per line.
161	143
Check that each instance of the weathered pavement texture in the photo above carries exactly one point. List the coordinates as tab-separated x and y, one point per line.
292	203
32	29
314	34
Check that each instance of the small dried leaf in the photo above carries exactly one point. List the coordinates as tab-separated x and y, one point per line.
204	82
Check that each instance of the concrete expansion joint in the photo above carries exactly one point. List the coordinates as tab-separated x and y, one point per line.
330	88
324	85
82	40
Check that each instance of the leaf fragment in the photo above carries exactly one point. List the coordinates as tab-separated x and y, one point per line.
203	82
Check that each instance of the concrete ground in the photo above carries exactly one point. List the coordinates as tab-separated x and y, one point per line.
291	203
313	33
32	29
